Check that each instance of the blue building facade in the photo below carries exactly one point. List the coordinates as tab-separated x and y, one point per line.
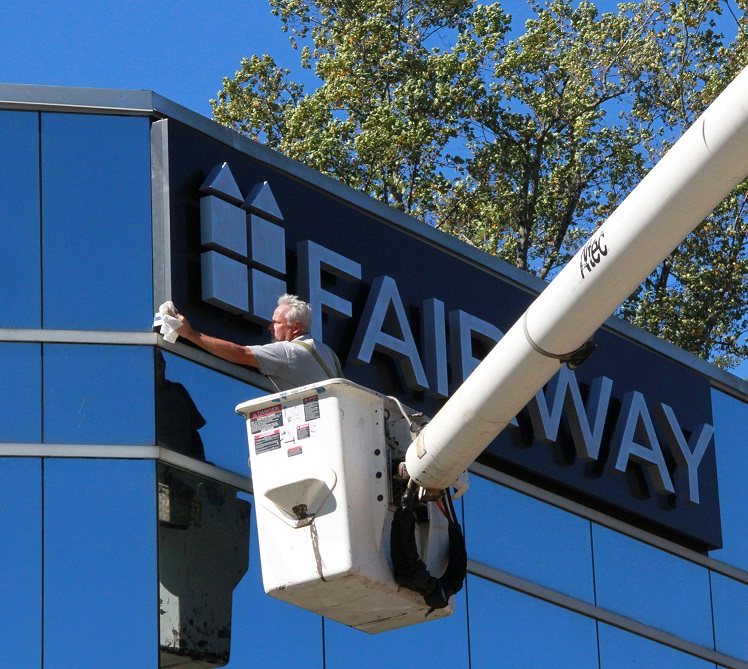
126	491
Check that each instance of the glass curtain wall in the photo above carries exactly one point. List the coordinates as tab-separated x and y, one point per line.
95	541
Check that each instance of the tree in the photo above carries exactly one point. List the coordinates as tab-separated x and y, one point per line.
389	104
545	160
521	146
696	298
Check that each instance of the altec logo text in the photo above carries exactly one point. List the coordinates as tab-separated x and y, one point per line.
592	253
244	271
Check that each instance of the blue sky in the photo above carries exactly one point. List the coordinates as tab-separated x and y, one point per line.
182	50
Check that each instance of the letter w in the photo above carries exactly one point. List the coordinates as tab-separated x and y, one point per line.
586	425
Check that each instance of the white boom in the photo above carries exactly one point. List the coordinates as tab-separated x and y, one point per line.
683	188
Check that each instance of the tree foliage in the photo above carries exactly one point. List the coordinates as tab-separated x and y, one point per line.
520	140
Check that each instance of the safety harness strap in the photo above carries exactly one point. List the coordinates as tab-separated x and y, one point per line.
330	375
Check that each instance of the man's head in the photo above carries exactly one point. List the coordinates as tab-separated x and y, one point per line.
291	318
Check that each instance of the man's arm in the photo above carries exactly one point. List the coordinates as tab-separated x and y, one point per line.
241	355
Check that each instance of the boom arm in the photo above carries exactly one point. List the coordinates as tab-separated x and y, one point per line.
683	188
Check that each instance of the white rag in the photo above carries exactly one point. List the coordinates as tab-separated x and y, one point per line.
166	319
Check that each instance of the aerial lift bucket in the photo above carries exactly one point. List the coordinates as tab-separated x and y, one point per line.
322	459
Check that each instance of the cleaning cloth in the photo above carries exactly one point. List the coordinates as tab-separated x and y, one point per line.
166	319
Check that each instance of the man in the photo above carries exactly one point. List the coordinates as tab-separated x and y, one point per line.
292	359
178	420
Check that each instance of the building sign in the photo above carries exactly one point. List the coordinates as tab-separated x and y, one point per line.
629	432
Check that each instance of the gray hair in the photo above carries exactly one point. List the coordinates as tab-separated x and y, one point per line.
299	311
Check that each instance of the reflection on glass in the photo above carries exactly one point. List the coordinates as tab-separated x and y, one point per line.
21	562
20	393
511	629
622	650
96	213
100	594
203	540
730	616
730	420
552	550
652	586
98	394
224	434
178	420
269	633
20	229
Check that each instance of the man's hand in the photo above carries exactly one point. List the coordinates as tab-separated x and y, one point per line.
186	330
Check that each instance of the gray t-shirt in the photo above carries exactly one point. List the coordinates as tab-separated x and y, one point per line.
290	365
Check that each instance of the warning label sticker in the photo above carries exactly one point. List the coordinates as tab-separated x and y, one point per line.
294	412
311	408
270	441
263	420
303	431
296	450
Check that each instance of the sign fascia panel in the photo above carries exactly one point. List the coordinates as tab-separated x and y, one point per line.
378	289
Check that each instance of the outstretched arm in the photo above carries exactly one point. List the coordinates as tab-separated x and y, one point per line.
241	355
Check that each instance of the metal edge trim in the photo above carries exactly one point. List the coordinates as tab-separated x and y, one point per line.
123	452
606	521
604	615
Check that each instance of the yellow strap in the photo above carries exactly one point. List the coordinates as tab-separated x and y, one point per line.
317	357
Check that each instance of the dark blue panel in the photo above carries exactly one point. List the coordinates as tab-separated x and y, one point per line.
553	550
511	629
654	587
20	393
97	222
20	562
194	399
98	394
622	650
268	244
224	282
100	573
20	269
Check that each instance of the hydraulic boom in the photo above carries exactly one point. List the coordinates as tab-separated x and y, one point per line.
701	169
341	533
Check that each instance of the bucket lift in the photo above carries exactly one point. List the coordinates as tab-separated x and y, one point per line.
319	454
324	462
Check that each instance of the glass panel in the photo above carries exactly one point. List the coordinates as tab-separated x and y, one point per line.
269	633
528	538
20	393
652	586
98	394
511	629
196	410
730	616
21	562
96	210
100	587
622	650
730	421
20	270
203	553
445	639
